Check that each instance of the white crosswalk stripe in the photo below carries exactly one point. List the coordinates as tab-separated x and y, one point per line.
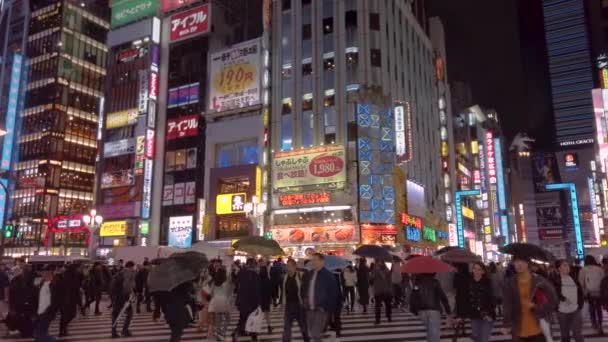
355	327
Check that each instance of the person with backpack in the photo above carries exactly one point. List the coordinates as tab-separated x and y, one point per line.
590	278
121	293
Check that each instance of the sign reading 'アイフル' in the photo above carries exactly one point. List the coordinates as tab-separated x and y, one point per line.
235	78
126	11
321	165
190	23
186	126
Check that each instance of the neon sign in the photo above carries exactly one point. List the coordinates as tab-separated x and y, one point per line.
458	203
429	234
502	198
411	220
298	199
66	224
580	248
412	233
490	153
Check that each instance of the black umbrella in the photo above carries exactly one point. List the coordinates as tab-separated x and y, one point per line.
255	245
460	256
374	251
176	270
528	251
446	249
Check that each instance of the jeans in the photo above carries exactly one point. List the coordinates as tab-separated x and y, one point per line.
386	299
432	322
316	320
128	314
350	296
481	330
294	312
41	332
595	311
571	322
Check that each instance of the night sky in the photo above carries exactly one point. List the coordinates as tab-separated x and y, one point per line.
497	47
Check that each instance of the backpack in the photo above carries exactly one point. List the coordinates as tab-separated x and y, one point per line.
593	280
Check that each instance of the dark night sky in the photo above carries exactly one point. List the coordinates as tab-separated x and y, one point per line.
496	47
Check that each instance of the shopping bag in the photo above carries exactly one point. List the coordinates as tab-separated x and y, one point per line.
545	326
255	321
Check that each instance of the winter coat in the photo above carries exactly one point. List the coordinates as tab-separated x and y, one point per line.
326	290
141	280
428	295
382	282
512	304
480	302
363	284
248	293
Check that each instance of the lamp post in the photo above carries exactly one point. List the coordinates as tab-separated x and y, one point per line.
255	210
93	222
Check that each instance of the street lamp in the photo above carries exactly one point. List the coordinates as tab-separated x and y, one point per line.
93	221
255	210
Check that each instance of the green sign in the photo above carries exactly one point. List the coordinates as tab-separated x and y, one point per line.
144	227
126	11
429	234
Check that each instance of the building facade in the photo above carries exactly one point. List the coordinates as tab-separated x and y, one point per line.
55	168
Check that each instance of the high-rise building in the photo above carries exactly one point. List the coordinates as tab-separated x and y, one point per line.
55	169
355	115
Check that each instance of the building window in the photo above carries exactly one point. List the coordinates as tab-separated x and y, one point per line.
286	5
328	25
238	153
307	121
374	21
286	131
306	32
285	40
376	57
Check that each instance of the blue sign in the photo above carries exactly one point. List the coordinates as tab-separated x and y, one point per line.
443	235
412	233
458	204
3	199
11	113
578	236
502	198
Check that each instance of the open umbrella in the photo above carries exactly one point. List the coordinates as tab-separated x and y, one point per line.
176	270
332	263
446	249
255	245
425	264
528	251
374	251
459	256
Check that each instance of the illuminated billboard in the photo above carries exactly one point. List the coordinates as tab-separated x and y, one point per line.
127	11
459	216
314	166
578	237
502	198
11	112
190	23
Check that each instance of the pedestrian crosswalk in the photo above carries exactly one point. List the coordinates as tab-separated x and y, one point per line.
356	326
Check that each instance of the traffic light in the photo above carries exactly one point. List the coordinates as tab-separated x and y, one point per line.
8	231
268	235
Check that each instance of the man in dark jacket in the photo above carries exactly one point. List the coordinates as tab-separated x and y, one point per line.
247	297
276	278
70	281
141	287
173	304
50	297
95	284
319	293
528	298
121	292
426	301
292	301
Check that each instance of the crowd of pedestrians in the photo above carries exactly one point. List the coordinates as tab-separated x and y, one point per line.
527	297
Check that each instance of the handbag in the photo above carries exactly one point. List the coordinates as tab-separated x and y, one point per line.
255	321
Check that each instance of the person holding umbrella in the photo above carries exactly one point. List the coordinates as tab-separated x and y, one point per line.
383	290
363	284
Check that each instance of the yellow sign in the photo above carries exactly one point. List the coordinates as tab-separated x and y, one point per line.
475	147
468	213
122	118
113	228
313	166
230	203
258	182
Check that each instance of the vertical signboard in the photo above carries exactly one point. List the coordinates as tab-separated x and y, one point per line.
403	133
502	198
11	112
190	23
147	190
142	99
149	144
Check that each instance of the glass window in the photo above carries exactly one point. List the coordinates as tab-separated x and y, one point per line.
286	5
374	21
286	131
286	38
328	73
307	122
238	153
376	57
306	32
328	25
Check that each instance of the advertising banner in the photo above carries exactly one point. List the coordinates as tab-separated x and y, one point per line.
11	115
119	210
118	147
179	193
230	203
147	190
180	231
122	118
142	98
190	23
150	144
300	199
314	234
117	179
114	228
235	76
550	234
186	126
378	234
153	93
184	95
124	12
190	190
168	195
544	170
549	217
316	166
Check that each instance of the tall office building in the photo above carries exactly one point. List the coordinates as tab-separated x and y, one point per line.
354	117
55	167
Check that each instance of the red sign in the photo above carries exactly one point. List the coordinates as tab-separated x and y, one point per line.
325	166
153	86
490	156
186	126
190	23
551	234
410	220
297	199
169	5
66	224
378	234
150	144
313	234
476	176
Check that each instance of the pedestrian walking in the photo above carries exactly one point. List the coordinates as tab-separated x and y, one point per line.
397	282
22	301
590	278
363	280
571	300
497	278
141	287
482	306
174	307
383	290
335	316
95	284
265	291
426	300
276	278
292	302
219	305
247	297
528	299
350	281
121	294
4	287
70	281
319	291
49	302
